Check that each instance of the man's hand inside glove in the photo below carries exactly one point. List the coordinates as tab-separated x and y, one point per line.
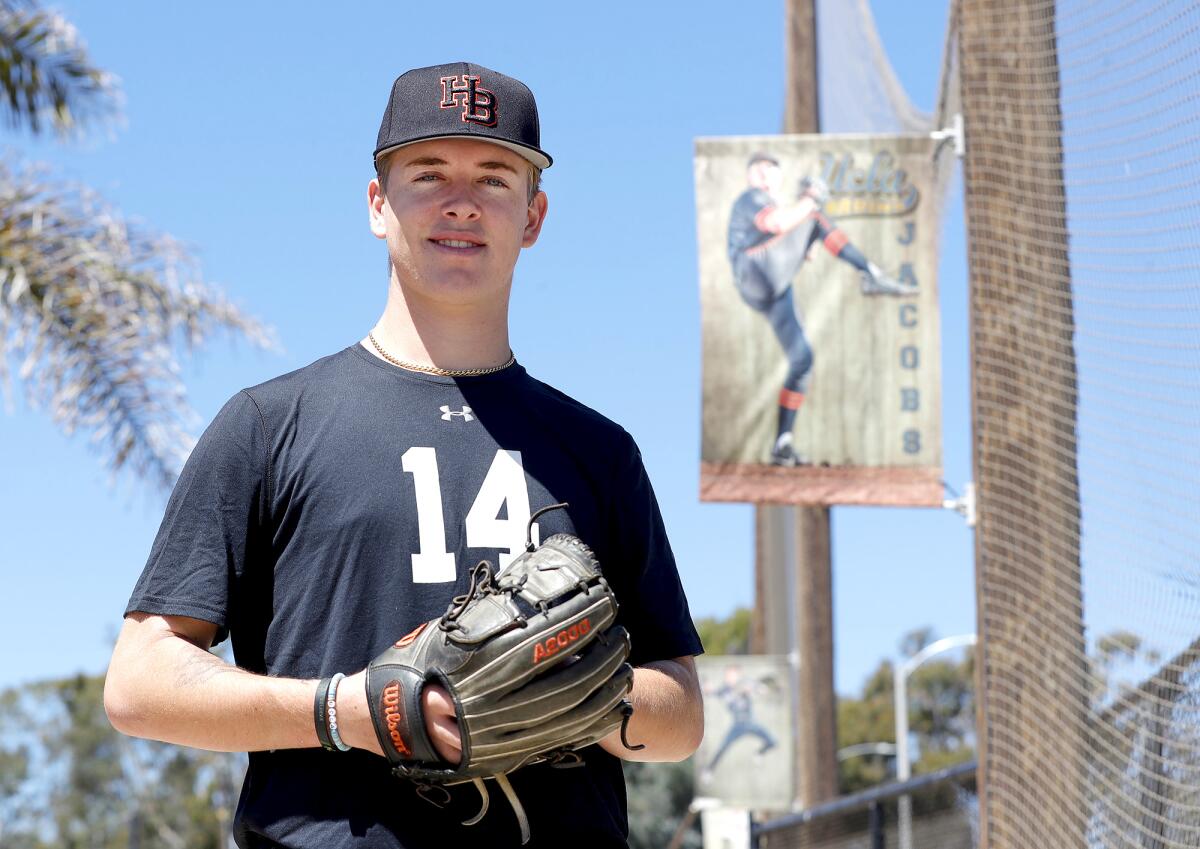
441	723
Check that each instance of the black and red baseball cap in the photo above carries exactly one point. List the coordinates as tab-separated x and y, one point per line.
461	99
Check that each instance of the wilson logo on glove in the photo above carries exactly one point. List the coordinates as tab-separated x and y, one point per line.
410	636
561	640
393	716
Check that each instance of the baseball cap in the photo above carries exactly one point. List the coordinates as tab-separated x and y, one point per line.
461	99
761	156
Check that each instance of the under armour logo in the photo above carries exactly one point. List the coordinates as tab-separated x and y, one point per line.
448	414
478	104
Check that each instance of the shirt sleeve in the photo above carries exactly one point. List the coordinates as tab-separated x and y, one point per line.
212	523
653	606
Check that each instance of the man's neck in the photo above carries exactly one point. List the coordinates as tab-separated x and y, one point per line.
446	336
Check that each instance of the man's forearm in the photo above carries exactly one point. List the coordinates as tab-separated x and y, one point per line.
163	684
668	713
163	687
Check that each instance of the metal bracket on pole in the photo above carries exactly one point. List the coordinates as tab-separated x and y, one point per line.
952	133
963	505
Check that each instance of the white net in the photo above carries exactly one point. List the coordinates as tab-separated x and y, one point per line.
1083	160
860	92
1082	166
859	89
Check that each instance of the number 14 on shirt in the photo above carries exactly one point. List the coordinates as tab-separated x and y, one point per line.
503	484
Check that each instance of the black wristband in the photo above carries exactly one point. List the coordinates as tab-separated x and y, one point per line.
321	715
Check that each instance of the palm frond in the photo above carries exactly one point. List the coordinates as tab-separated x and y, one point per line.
92	309
46	77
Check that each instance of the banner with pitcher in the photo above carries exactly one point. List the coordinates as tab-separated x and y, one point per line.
819	308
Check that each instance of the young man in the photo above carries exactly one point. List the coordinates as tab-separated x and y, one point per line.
769	240
327	512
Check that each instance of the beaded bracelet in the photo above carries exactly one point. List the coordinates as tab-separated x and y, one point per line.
331	713
320	717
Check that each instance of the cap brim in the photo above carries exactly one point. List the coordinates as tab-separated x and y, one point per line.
530	154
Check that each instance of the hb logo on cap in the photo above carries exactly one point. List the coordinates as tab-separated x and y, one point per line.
478	104
416	110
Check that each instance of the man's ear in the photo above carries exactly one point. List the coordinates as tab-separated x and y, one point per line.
375	203
535	216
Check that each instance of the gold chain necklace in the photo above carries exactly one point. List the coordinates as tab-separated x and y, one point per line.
442	372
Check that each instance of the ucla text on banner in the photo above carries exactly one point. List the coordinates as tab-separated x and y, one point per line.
818	289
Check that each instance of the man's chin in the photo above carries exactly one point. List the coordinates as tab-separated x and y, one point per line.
457	288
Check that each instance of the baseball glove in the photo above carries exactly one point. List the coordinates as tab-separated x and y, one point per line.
815	188
533	662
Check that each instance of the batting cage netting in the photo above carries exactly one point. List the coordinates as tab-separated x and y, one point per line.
1082	166
1082	197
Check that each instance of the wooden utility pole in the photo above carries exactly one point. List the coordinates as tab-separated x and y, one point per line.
793	566
1031	668
801	114
795	607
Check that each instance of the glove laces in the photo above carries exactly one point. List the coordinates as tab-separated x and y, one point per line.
482	583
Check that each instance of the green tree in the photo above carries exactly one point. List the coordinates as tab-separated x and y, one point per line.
867	719
659	795
730	635
78	784
93	307
1120	661
941	715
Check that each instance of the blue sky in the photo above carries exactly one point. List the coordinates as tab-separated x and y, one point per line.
250	139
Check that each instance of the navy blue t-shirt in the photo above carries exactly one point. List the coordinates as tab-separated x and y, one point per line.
328	511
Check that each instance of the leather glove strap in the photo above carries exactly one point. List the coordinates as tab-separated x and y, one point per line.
394	697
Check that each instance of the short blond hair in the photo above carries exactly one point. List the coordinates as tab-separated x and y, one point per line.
535	174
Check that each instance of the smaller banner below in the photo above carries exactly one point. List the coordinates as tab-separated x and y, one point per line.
746	757
819	307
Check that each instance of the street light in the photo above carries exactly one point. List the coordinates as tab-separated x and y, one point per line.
887	750
900	690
